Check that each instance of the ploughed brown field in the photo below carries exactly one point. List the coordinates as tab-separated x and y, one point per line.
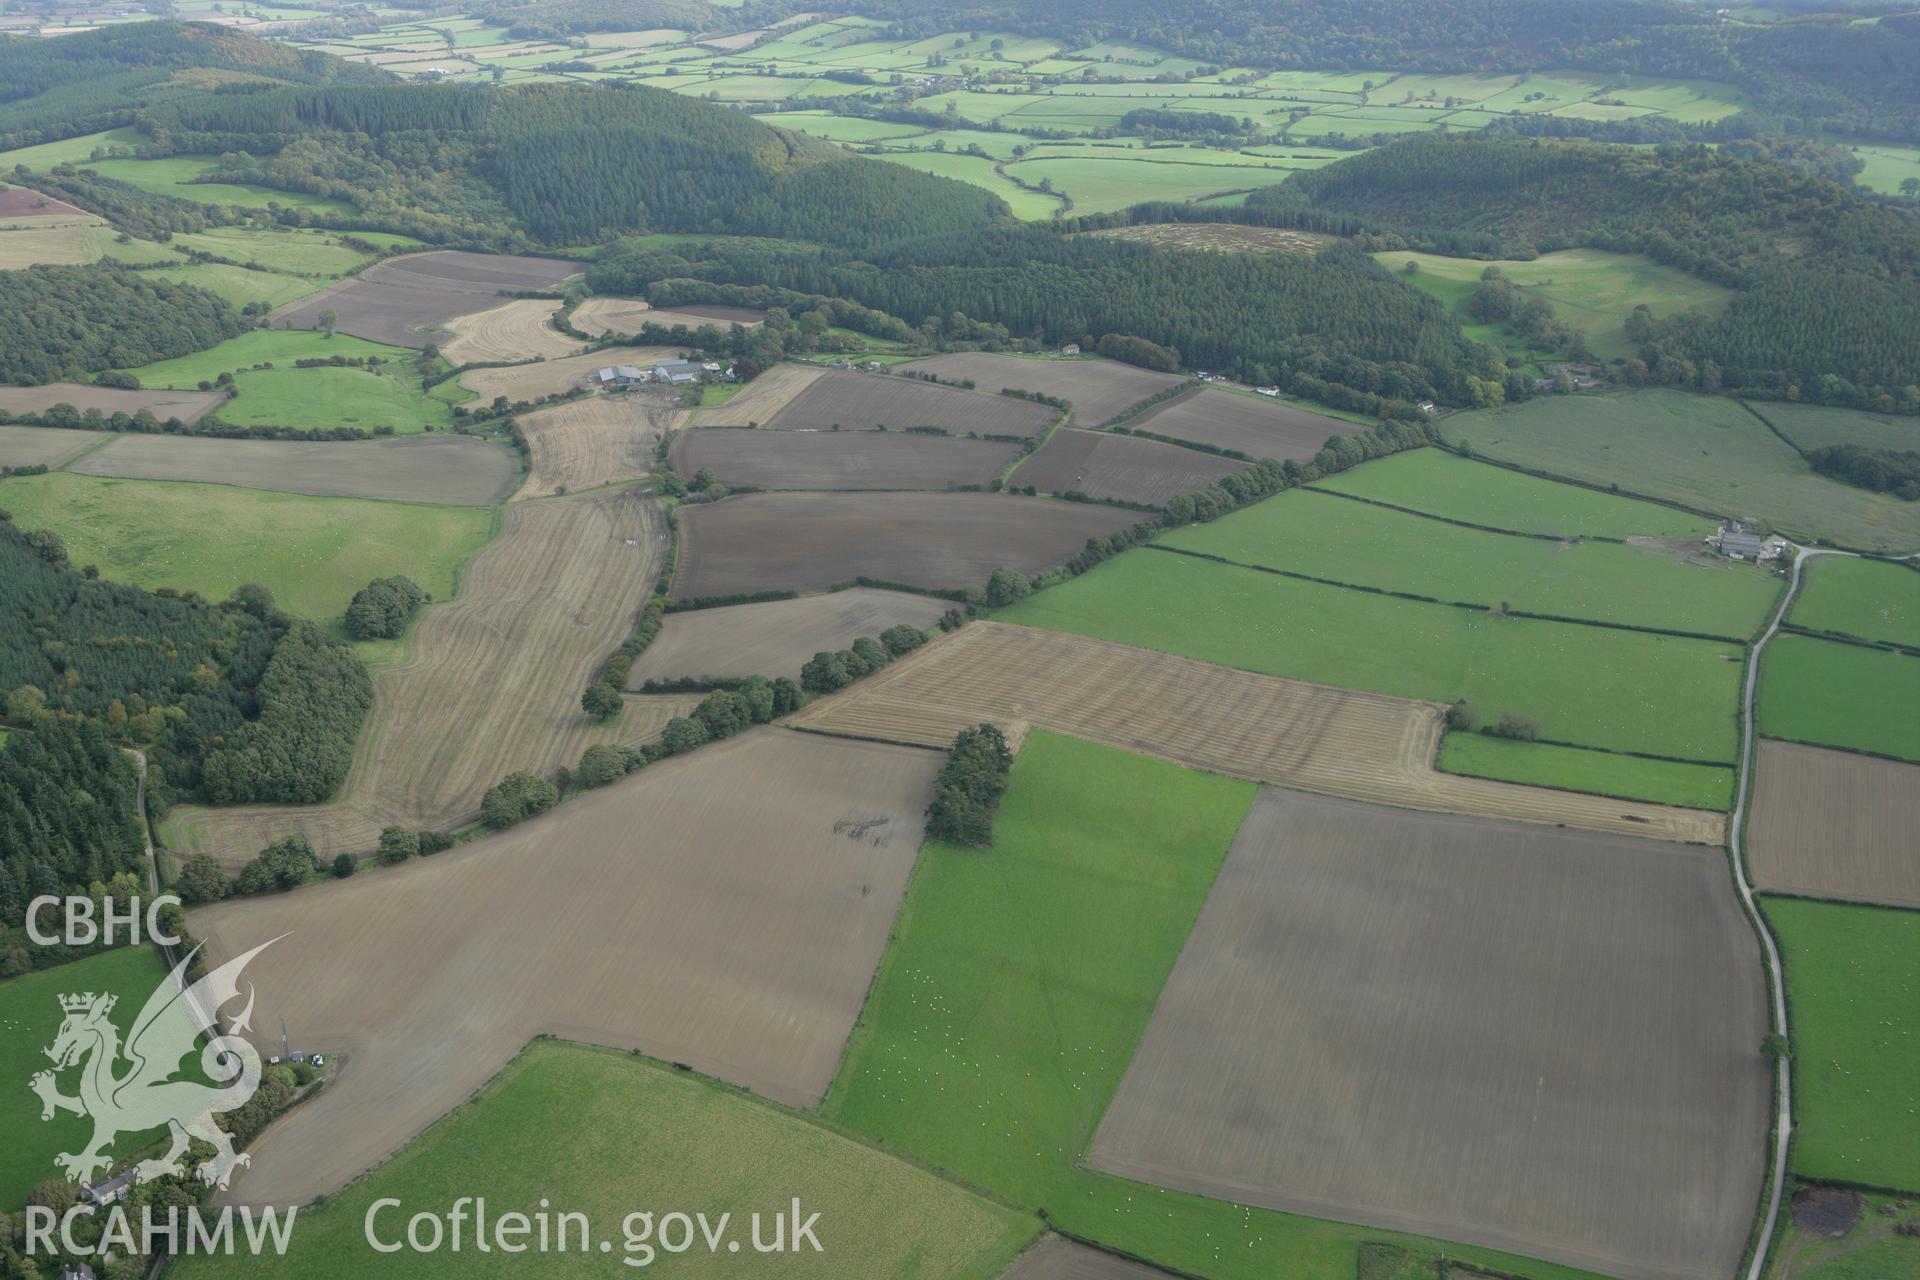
1833	824
1365	746
406	300
20	202
599	316
1255	427
514	330
809	541
599	440
839	459
1058	1258
1102	465
188	406
493	685
724	909
759	401
1532	1039
862	401
775	637
455	470
1099	390
549	377
44	446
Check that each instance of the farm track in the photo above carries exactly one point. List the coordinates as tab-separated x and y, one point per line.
1340	742
493	684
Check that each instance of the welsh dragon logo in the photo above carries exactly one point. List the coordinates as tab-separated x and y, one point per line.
150	1093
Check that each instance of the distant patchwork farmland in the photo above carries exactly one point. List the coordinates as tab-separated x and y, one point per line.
1097	389
839	459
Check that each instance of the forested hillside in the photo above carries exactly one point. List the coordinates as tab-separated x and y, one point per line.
1819	72
236	701
1829	285
65	322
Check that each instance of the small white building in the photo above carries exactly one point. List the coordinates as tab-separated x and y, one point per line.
1071	349
676	372
620	375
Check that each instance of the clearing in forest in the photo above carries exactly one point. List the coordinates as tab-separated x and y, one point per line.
1465	1028
775	637
1220	237
724	908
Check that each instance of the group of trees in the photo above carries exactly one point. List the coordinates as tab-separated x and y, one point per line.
1895	471
66	322
967	790
381	609
1498	301
828	669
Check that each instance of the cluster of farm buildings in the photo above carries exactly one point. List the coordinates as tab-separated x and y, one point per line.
675	373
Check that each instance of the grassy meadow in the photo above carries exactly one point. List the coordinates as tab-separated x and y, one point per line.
1704	452
262	346
602	1133
1592	686
1017	987
311	553
1841	695
1691	786
1853	975
335	397
1866	599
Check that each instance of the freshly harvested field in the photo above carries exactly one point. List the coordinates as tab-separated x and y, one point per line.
1097	389
1835	824
861	401
1364	746
188	406
583	444
1058	1258
44	446
1438	483
685	1141
1123	467
1257	428
1841	695
760	400
453	470
1704	452
493	685
549	377
775	637
516	330
724	909
1866	599
839	459
626	315
1487	1088
407	300
1221	237
809	541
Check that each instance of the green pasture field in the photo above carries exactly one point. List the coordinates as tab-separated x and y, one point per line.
602	1133
263	346
822	124
1015	991
1692	786
1704	452
1841	695
1852	974
1327	536
1889	1257
335	397
173	176
240	286
1809	426
75	151
1887	166
1867	599
29	1019
1103	185
291	252
980	172
1442	484
1591	289
311	553
1592	686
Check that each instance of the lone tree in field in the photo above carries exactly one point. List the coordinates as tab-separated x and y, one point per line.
201	880
1463	715
328	319
602	702
1007	584
397	844
1775	1047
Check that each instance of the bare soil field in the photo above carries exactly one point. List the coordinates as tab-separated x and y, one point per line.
546	377
1363	746
455	470
1538	1040
1098	389
1833	824
1257	428
1128	468
600	440
809	541
861	401
20	202
759	401
43	446
723	909
1058	1258
839	459
406	300
493	684
775	637
1220	237
188	406
515	330
626	315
